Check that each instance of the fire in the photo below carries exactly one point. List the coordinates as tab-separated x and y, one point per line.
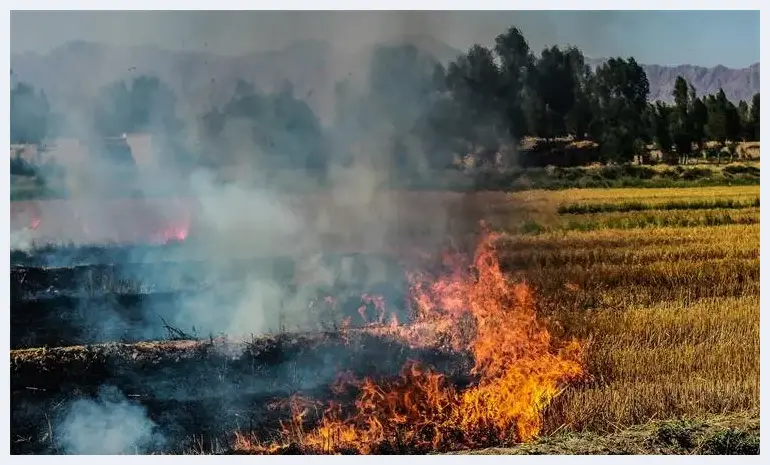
378	302
174	232
517	371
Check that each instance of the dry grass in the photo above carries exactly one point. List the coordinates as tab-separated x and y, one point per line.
671	313
719	434
669	299
665	361
658	218
641	195
510	212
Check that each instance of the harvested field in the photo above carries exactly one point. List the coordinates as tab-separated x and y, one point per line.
672	312
719	435
661	299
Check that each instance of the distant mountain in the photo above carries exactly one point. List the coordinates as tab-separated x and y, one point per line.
738	84
76	70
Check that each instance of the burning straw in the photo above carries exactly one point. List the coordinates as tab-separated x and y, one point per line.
471	307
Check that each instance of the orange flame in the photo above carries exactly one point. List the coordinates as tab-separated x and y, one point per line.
518	371
378	302
172	233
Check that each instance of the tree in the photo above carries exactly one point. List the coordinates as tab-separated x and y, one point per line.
146	105
682	121
621	88
580	118
476	84
212	123
285	130
401	81
754	118
30	115
734	129
391	110
516	73
661	127
554	82
743	115
699	114
716	128
113	110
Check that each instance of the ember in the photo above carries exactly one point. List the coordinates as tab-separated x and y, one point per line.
173	233
127	221
518	370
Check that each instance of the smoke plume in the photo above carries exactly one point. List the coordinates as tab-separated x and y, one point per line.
109	424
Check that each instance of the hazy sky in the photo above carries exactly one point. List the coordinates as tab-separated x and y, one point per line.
706	38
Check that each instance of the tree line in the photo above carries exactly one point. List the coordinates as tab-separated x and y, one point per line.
415	112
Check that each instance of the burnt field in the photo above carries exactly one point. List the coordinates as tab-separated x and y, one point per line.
188	391
129	301
165	337
360	354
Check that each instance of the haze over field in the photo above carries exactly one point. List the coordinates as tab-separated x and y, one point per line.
202	56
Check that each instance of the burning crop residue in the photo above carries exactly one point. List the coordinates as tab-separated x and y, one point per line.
473	308
110	221
175	232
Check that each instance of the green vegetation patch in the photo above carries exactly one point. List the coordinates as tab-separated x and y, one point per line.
584	208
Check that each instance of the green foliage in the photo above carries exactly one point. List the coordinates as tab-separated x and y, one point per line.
682	122
146	104
678	434
627	175
531	227
733	441
661	126
20	167
589	208
622	89
753	119
652	220
29	114
741	169
690	121
284	129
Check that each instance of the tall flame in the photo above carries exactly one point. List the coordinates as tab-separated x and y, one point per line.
517	369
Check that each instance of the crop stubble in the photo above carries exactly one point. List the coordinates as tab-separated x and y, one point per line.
671	313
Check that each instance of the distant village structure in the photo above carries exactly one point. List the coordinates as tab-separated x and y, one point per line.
132	148
27	152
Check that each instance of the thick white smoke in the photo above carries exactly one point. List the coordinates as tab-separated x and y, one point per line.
109	424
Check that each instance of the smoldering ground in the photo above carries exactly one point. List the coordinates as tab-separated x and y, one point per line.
345	207
190	390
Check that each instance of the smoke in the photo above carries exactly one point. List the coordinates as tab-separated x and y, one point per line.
272	184
109	424
260	208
